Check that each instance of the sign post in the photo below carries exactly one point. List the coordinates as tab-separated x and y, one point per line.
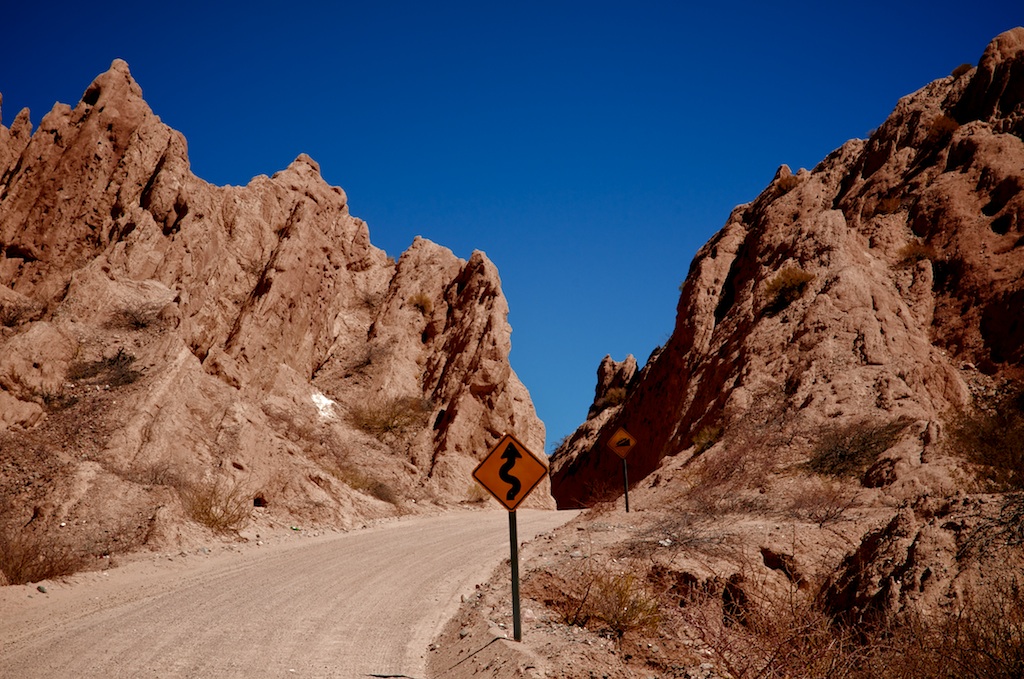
495	474
621	443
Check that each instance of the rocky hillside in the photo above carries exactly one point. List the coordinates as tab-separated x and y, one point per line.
881	286
173	353
828	478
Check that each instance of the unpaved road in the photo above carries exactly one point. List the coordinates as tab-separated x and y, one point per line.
357	604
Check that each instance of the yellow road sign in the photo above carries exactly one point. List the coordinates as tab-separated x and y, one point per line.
510	472
621	442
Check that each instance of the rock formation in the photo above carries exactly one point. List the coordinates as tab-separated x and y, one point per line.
161	335
881	286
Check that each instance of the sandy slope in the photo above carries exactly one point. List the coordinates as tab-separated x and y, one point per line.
356	604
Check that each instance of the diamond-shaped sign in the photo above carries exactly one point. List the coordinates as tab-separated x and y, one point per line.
510	472
621	442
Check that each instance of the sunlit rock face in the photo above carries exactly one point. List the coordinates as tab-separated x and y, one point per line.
160	333
882	285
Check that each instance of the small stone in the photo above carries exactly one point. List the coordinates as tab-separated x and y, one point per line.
464	632
42	588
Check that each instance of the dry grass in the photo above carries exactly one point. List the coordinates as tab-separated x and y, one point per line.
391	417
785	288
27	556
422	302
221	505
848	450
991	435
115	371
916	251
612	601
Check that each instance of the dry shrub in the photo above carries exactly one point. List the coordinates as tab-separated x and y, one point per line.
221	505
825	502
962	69
848	450
941	129
752	632
355	479
785	288
613	397
916	251
706	437
991	435
983	638
888	205
13	314
611	601
422	302
681	531
115	371
788	183
391	417
135	316
30	556
728	479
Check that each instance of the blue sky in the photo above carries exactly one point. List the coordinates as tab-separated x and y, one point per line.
589	148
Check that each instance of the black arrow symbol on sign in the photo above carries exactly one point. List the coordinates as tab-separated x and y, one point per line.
510	456
623	443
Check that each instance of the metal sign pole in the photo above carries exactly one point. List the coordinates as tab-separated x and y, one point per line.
517	626
625	482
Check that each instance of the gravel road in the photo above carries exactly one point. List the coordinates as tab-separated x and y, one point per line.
365	603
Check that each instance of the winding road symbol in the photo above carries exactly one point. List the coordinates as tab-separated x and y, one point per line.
510	456
510	472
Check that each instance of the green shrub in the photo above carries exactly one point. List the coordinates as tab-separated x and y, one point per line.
848	450
785	288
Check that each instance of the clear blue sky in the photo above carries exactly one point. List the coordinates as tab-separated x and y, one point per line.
589	148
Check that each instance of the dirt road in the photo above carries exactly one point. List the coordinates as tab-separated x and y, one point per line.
366	603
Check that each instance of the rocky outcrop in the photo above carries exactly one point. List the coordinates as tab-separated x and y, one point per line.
872	288
159	333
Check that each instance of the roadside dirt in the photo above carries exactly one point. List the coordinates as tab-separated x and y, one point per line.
364	603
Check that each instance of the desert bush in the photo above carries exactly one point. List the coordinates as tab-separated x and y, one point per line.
476	494
962	69
390	417
788	183
982	638
116	370
615	602
728	479
991	435
916	251
888	205
134	316
13	314
681	531
27	556
613	397
941	129
825	503
752	632
221	505
785	288
421	302
848	450
356	479
706	437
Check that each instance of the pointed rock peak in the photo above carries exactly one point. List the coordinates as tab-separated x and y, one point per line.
303	163
116	82
1005	46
